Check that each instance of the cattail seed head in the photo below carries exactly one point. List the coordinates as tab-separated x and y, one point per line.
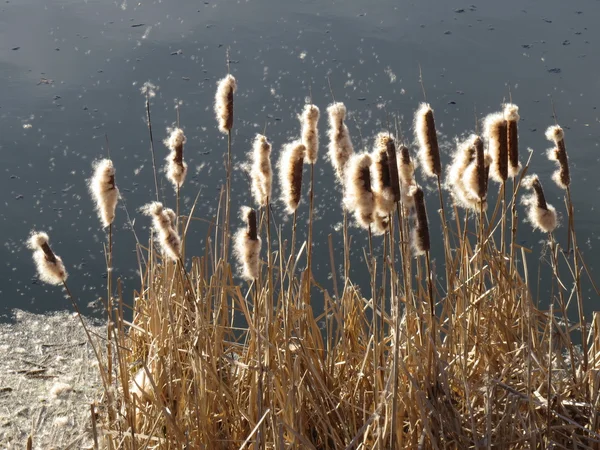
310	135
540	214
420	232
50	267
290	174
382	183
562	176
358	192
495	133
261	172
104	191
511	116
406	173
429	151
461	159
247	245
380	224
176	166
163	220
224	103
475	175
340	146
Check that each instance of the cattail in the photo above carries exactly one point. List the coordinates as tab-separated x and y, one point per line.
176	166
475	175
340	145
429	151
561	176
290	174
310	135
541	215
162	222
382	183
495	133
511	115
261	172
420	232
224	103
358	192
50	267
247	245
380	224
462	158
104	191
406	173
171	215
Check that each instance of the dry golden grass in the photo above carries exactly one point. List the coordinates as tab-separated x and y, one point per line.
211	362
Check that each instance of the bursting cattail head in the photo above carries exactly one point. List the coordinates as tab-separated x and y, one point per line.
381	224
495	133
475	175
381	178
224	103
50	267
540	214
310	135
561	176
176	166
429	151
247	245
420	233
406	173
261	172
358	193
163	220
340	146
290	174
104	190
461	159
511	116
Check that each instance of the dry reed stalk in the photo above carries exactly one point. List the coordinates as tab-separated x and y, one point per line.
148	90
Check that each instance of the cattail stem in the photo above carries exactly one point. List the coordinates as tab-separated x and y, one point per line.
109	303
447	256
503	218
226	233
151	144
310	234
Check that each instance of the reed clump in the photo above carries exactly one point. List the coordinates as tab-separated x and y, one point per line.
212	361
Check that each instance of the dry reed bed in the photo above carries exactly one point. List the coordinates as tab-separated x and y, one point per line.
461	361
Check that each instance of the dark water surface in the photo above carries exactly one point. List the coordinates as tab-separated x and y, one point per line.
71	72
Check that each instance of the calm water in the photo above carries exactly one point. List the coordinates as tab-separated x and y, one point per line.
72	70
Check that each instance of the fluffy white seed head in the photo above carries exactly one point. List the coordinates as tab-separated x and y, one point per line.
511	112
340	146
163	220
261	172
358	194
555	134
104	190
50	267
461	159
380	176
176	166
495	134
562	175
540	214
247	245
290	174
310	134
429	152
224	103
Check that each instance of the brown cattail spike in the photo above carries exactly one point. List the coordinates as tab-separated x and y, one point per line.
382	183
224	103
562	176
429	152
176	167
340	146
421	241
163	220
290	174
393	169
104	191
251	229
462	159
511	115
495	133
